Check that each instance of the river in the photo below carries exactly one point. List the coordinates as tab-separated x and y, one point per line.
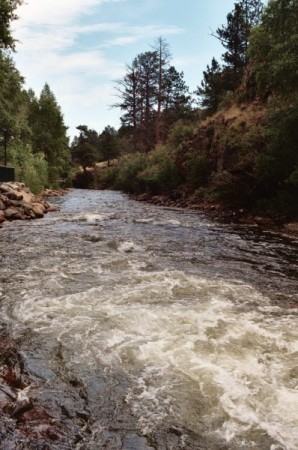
178	332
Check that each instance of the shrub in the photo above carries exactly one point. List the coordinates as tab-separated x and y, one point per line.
180	132
30	168
129	168
160	175
198	169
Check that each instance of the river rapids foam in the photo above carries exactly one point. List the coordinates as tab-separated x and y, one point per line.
201	350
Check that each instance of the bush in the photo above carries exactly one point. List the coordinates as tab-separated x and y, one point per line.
278	164
180	132
30	168
198	169
83	180
160	175
225	187
129	168
106	177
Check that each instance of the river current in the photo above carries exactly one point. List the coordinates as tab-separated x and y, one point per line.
181	331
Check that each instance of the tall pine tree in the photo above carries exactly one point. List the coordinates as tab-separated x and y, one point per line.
49	133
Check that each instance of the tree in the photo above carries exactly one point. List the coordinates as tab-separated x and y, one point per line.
234	36
177	103
11	83
49	132
85	147
163	57
7	15
152	95
212	87
108	144
273	49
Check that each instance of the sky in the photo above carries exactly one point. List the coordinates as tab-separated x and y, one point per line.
80	48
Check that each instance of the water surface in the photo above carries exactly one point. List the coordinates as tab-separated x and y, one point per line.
182	332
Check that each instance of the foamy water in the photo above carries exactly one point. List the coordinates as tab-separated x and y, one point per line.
209	352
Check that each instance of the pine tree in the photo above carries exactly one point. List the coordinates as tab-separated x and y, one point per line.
212	87
49	132
164	57
7	15
85	148
108	144
152	94
273	49
177	102
234	36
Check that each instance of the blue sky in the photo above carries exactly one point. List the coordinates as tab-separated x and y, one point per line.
81	47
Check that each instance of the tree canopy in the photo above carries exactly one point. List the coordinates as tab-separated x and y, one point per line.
153	95
7	15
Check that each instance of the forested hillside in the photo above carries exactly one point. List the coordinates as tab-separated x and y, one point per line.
236	144
31	127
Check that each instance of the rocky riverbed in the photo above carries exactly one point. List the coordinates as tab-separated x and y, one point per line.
28	418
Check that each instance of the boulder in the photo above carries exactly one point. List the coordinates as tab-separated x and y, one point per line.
38	210
11	195
18	203
13	213
292	227
53	208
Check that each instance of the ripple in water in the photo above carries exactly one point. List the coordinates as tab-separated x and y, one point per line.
192	354
182	308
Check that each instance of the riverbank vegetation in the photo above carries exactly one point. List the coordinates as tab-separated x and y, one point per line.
237	145
33	136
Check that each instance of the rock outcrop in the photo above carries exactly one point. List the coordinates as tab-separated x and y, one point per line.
18	203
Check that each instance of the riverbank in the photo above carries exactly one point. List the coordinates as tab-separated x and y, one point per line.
217	211
17	202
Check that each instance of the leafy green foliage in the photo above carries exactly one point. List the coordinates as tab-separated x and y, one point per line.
11	99
180	132
30	168
85	147
7	15
274	49
198	169
109	144
129	168
49	132
277	165
160	175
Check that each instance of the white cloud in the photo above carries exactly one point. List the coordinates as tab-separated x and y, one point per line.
136	33
55	12
79	71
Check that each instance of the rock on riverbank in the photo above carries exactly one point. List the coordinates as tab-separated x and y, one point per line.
18	203
217	211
